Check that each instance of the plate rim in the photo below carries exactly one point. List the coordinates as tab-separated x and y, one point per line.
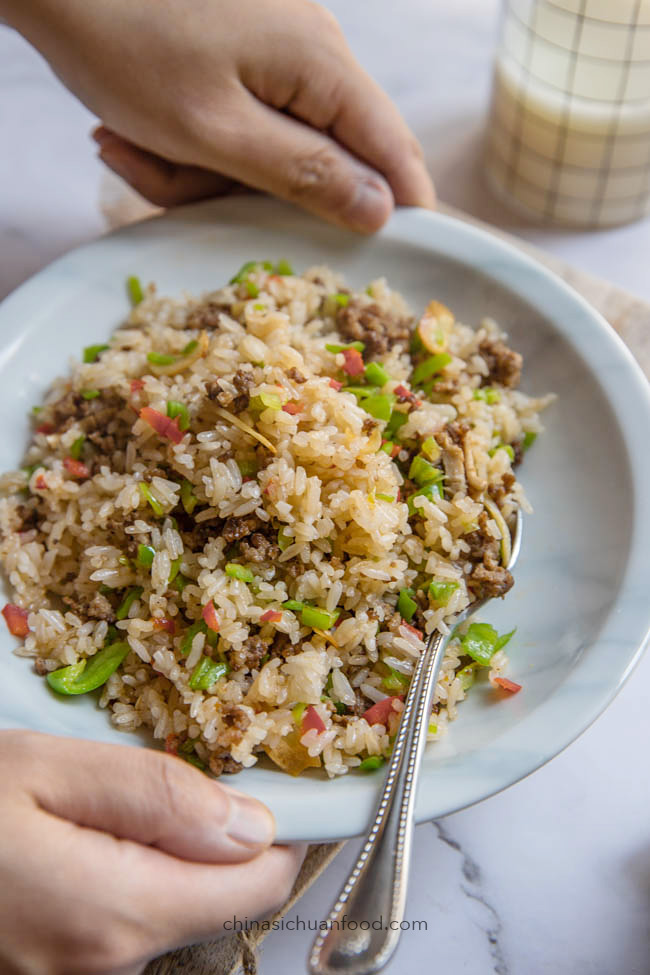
519	273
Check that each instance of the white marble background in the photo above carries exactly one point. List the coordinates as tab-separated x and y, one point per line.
554	874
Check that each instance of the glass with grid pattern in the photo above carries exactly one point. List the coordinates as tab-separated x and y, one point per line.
568	138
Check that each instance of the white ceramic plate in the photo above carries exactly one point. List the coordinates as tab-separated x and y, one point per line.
580	602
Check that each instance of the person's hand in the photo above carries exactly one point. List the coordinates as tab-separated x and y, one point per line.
197	97
111	855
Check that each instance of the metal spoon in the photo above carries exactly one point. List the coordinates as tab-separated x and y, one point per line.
376	887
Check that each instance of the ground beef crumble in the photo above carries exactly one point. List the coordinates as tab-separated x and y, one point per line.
488	578
377	329
250	654
504	364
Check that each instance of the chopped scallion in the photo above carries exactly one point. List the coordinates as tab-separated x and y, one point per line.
90	393
188	498
488	394
283	268
297	711
371	763
190	347
284	540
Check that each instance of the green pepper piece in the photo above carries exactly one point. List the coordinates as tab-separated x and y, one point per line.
199	626
90	393
134	288
406	604
371	763
240	572
361	392
77	447
317	619
190	347
284	540
283	268
482	641
122	610
466	676
93	352
396	421
395	682
244	271
206	673
297	711
148	495
434	364
379	405
423	472
175	569
188	498
376	375
529	440
145	555
335	348
88	674
487	394
294	605
160	359
441	592
176	409
428	491
265	401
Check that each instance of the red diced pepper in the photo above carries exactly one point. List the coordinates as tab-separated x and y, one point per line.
335	384
292	408
45	428
271	616
41	483
74	467
353	364
407	626
163	425
163	623
16	619
209	615
137	385
402	392
312	719
399	494
171	744
395	449
380	712
507	685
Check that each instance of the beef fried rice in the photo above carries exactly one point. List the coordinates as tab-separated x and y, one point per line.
242	516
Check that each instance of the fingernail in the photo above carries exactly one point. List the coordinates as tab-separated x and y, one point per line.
115	161
371	207
250	822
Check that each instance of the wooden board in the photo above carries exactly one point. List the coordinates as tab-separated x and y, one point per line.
235	953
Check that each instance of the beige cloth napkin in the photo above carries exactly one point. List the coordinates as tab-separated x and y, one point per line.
236	953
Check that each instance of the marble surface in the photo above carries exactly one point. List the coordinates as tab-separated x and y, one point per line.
554	874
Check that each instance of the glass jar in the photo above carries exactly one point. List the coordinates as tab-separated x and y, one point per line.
568	138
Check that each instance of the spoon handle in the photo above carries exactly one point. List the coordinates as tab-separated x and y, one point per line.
375	891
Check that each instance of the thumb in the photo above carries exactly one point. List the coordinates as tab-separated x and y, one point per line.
145	796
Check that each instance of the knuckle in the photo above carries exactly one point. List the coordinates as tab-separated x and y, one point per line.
320	174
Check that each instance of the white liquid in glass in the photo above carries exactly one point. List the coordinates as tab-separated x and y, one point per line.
569	134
